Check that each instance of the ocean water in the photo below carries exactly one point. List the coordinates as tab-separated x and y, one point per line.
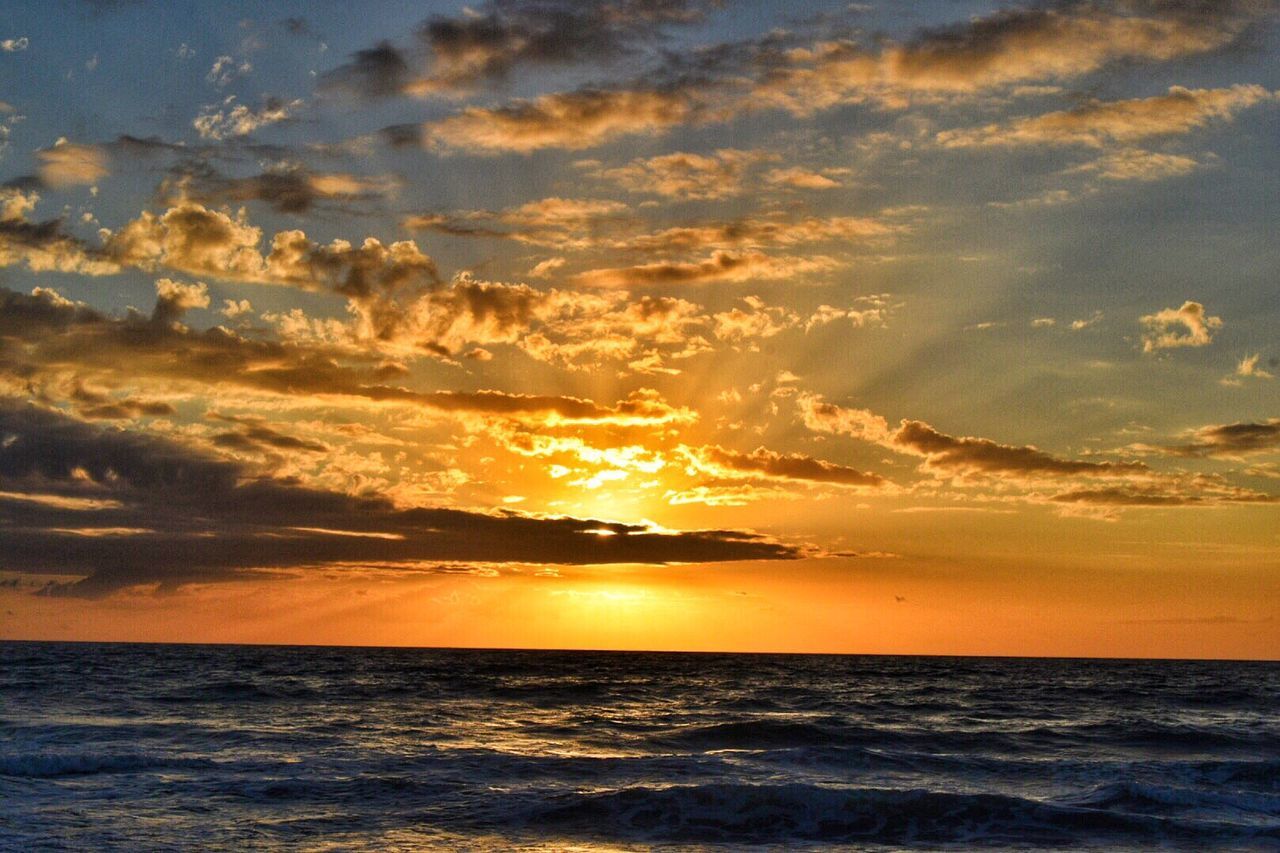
167	747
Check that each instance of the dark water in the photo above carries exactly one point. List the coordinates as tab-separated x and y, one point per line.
124	747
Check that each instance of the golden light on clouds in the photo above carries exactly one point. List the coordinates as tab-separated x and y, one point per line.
675	331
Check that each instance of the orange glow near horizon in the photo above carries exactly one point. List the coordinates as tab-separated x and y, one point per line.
954	338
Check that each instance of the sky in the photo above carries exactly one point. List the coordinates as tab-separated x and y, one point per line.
928	328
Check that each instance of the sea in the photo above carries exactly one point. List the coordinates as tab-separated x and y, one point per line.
139	747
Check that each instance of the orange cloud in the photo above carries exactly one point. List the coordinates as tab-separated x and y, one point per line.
1188	326
1101	123
571	120
721	266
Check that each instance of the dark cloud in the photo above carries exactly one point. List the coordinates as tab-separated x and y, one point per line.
252	434
1162	494
172	515
1231	440
288	190
47	246
788	466
94	405
456	52
489	46
981	455
403	135
377	72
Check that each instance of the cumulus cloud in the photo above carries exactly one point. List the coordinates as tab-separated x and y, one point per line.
1170	328
16	203
376	278
44	334
47	247
229	119
821	416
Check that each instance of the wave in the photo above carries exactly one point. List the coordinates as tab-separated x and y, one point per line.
764	814
1149	798
45	765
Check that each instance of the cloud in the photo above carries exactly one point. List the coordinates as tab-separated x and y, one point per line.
1102	123
229	119
453	54
95	405
1249	366
582	224
489	45
174	299
1004	49
720	267
190	238
544	269
378	72
1170	328
1232	441
67	164
16	203
1001	50
951	455
254	435
1077	487
1126	496
768	464
194	517
800	179
1134	164
571	120
42	335
225	69
556	222
376	278
756	320
291	189
770	229
967	456
821	416
686	176
46	247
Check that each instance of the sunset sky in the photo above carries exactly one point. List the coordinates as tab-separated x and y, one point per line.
926	328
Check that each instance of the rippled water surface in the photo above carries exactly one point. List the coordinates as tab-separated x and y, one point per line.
136	747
